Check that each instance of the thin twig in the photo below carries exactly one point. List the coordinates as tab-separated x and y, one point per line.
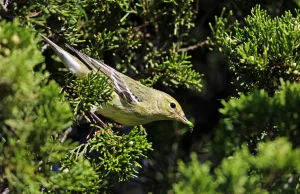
4	4
6	191
139	27
67	132
193	47
196	7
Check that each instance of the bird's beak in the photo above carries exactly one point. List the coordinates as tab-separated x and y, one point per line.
184	120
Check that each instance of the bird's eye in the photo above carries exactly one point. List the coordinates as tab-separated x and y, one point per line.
172	105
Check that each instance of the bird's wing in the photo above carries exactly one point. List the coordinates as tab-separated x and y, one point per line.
118	83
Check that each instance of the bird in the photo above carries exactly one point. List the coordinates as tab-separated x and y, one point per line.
133	103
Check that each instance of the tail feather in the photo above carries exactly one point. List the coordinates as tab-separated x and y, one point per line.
72	63
86	59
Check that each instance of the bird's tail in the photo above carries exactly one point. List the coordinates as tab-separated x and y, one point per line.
71	62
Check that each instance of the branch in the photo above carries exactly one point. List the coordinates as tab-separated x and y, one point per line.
4	4
193	47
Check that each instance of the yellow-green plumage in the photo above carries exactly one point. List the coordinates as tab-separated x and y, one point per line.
133	103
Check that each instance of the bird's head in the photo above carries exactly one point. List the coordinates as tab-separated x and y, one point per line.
173	110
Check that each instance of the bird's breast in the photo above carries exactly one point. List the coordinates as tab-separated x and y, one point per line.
124	112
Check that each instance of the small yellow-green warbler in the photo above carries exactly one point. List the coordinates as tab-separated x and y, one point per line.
133	103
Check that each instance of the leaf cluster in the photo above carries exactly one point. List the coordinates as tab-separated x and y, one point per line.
275	169
261	50
257	117
85	93
31	118
120	154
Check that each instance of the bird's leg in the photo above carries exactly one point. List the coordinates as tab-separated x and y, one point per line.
93	117
97	119
89	120
119	126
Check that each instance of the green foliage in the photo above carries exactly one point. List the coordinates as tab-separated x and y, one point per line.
275	169
119	154
109	31
174	68
81	176
65	16
298	2
245	117
195	177
256	146
31	115
134	35
92	90
260	51
111	157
